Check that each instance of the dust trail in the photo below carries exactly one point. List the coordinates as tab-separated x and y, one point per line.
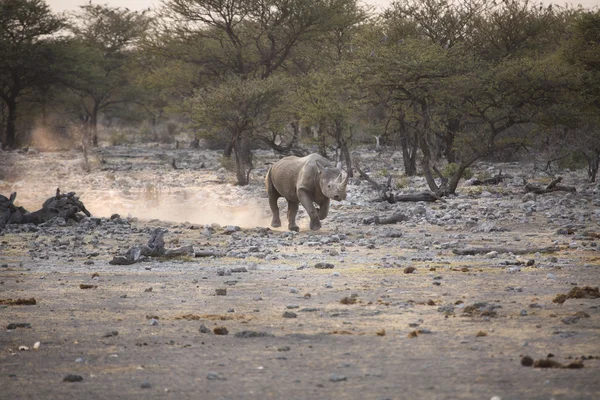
198	206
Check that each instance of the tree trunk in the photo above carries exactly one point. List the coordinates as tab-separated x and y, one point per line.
94	126
228	150
409	149
11	124
593	161
243	159
347	158
454	179
449	136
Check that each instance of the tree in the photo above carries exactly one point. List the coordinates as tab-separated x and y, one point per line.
27	59
582	50
104	40
238	109
254	39
325	101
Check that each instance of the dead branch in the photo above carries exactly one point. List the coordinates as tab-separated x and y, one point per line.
207	253
386	193
385	221
154	248
67	206
366	177
552	187
422	196
484	250
494	180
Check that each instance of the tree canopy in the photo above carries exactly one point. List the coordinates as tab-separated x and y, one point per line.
442	81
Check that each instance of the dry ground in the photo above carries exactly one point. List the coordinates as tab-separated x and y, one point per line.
329	350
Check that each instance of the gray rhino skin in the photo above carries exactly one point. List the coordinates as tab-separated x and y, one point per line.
305	180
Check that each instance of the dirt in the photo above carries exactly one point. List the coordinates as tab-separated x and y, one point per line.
456	327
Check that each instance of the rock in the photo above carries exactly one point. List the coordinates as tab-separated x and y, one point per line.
323	265
513	270
491	254
73	378
204	329
110	334
221	292
213	376
220	330
146	385
527	361
153	322
15	325
289	314
337	378
409	270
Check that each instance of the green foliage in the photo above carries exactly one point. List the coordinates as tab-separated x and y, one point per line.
119	137
573	162
451	170
228	163
27	54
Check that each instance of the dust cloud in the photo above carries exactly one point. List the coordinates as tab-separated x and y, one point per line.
200	207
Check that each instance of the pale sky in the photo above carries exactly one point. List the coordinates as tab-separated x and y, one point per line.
68	5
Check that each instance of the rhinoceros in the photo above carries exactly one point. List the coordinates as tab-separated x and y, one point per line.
304	180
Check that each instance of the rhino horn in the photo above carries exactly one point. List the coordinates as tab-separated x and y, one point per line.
345	181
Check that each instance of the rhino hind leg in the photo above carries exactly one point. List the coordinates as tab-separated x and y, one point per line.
291	214
273	196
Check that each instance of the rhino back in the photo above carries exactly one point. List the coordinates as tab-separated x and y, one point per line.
291	173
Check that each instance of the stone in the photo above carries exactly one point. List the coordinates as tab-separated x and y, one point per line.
337	378
73	378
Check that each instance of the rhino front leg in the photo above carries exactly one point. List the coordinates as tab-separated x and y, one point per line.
307	203
324	209
291	214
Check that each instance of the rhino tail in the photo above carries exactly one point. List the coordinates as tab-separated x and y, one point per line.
268	181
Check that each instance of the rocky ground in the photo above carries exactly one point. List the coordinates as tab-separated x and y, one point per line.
355	310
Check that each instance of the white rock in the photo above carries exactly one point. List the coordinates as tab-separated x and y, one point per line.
492	254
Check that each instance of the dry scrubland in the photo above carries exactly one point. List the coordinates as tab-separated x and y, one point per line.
327	314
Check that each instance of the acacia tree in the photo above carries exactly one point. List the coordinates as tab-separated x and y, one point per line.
252	39
26	57
104	40
582	50
238	110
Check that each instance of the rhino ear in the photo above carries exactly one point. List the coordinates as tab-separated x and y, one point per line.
321	166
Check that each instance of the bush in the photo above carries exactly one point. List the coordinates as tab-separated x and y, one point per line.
452	169
228	163
573	162
118	138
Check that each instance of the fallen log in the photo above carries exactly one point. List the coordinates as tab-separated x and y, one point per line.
422	196
386	193
385	221
494	180
484	250
207	253
552	187
366	177
154	248
67	206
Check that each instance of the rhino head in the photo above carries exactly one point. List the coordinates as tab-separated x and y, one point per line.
331	181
